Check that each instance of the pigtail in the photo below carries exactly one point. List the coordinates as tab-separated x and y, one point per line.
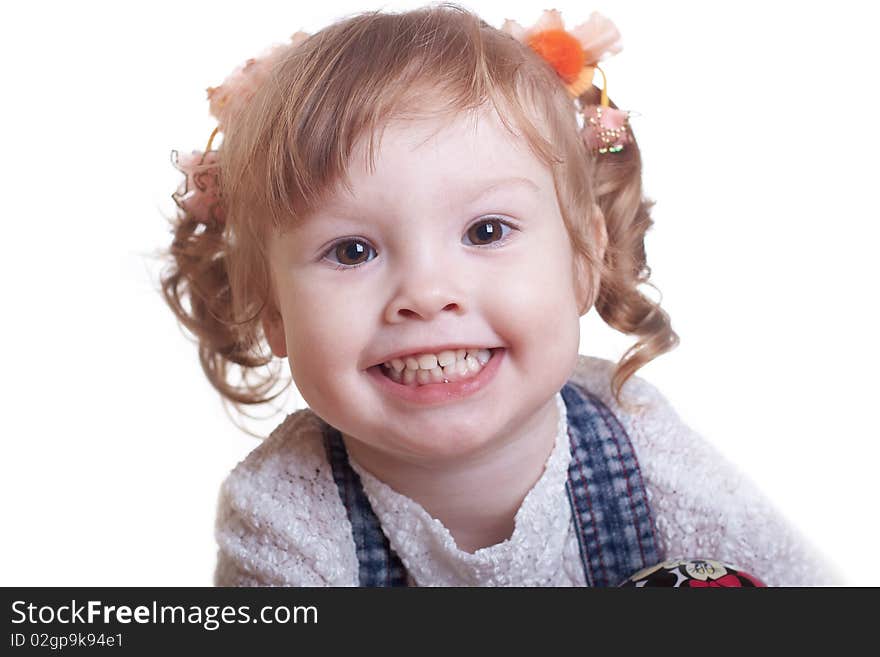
617	188
196	285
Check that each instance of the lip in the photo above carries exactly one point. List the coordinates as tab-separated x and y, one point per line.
405	353
435	394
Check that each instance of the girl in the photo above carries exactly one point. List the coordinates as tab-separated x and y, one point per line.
415	210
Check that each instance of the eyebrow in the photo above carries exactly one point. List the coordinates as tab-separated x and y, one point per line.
485	189
472	194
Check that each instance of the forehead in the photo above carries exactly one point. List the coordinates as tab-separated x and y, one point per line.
438	158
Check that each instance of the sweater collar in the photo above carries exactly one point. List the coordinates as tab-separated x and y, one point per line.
532	556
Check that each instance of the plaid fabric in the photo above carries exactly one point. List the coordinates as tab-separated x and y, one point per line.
608	499
378	564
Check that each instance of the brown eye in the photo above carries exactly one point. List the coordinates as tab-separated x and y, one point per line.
487	231
350	253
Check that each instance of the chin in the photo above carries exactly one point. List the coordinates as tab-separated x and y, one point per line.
446	440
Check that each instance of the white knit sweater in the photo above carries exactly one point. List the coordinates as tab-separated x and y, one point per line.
280	521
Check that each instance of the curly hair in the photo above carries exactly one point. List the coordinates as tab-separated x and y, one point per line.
291	146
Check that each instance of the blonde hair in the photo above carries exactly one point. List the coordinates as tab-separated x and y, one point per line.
291	146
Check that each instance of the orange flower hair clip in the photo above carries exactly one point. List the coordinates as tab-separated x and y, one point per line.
575	55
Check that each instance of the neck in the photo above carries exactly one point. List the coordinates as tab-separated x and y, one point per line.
477	496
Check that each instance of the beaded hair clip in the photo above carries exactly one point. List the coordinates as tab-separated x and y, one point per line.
574	55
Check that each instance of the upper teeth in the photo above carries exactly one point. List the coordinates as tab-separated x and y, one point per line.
442	359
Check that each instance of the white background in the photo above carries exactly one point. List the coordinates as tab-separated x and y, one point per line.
759	132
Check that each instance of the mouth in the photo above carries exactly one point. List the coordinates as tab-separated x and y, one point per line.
439	384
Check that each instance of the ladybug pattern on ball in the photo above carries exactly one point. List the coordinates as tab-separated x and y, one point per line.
693	574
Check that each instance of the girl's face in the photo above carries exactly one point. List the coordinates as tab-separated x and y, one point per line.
456	239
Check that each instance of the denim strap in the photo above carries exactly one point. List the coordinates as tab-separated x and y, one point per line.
607	495
378	564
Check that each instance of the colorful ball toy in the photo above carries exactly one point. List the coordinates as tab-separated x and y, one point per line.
693	573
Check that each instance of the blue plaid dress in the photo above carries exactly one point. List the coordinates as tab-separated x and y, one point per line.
608	500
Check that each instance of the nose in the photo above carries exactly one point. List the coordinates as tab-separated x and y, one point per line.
427	285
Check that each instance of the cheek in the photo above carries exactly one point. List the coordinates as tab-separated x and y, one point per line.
540	307
539	286
322	328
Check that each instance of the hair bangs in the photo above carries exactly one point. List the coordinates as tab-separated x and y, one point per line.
344	85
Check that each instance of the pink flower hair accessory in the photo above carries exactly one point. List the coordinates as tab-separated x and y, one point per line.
199	195
575	55
232	96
